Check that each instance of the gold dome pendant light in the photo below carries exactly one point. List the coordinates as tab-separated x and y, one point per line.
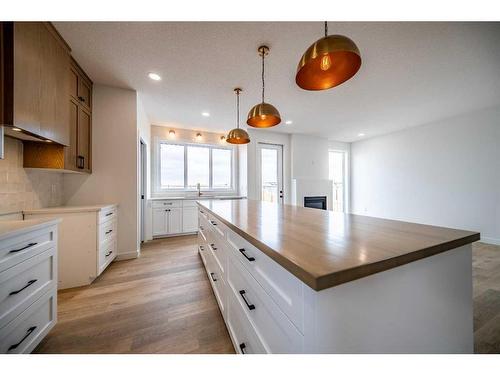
328	62
263	115
238	136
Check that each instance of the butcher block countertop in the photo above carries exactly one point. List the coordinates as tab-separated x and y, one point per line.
326	248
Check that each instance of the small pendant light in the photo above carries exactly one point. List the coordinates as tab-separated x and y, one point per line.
328	62
263	115
238	136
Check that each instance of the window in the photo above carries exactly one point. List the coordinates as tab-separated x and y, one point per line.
184	166
337	174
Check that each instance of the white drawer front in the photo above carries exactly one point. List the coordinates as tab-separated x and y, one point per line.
272	326
203	212
107	231
22	284
19	248
217	226
218	285
167	204
217	248
243	335
108	214
284	288
203	251
107	252
25	332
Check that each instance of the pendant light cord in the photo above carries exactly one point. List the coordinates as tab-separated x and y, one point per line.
263	84
326	29
238	109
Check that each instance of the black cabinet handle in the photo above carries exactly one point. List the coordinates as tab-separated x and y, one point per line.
24	248
24	287
108	254
202	248
81	98
250	259
213	222
201	227
242	348
80	162
167	210
212	275
28	332
212	245
109	214
108	231
250	306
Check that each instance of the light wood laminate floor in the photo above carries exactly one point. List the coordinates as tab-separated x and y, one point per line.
162	303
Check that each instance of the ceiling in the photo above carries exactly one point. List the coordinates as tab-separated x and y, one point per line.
412	73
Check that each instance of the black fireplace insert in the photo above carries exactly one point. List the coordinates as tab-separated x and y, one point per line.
315	202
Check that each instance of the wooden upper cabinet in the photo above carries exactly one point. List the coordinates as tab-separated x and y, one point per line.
84	141
36	64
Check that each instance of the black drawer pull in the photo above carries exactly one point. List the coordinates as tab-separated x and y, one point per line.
202	248
212	275
250	306
80	162
109	214
250	259
28	332
81	98
24	248
24	287
109	231
108	254
201	227
212	245
213	222
242	348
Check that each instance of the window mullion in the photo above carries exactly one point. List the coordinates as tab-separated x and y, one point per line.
210	170
185	168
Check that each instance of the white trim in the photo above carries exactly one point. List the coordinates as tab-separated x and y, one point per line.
129	255
490	240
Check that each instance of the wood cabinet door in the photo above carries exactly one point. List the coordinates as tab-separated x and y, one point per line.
27	67
84	140
70	152
174	220
160	221
85	93
73	83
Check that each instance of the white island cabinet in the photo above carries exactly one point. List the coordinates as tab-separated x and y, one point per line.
298	280
28	283
87	240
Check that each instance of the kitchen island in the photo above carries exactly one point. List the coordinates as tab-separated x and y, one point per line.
298	280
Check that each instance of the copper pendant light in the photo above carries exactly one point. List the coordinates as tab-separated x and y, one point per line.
328	62
263	115
238	136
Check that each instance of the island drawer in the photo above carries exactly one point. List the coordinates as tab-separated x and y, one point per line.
203	212
23	333
218	284
21	247
22	284
283	287
202	250
107	214
272	326
244	337
217	226
217	248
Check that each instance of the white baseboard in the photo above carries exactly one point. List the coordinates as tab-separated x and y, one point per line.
129	255
490	240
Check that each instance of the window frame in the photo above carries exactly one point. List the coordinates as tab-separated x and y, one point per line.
159	190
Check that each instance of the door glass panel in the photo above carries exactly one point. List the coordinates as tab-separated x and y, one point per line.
336	161
172	166
198	167
269	172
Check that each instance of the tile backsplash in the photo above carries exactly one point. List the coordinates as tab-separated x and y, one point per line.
21	188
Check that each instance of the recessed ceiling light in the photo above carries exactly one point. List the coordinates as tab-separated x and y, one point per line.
289	122
171	133
205	114
16	129
199	136
361	134
154	76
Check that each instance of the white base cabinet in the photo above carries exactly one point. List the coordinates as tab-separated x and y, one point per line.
87	241
174	217
421	307
28	287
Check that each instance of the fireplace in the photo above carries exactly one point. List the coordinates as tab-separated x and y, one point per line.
315	202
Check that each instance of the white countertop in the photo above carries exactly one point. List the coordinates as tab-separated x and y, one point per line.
197	198
15	227
69	209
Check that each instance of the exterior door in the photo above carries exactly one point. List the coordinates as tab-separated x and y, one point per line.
270	172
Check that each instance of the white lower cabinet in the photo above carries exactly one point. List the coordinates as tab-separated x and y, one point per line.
28	288
174	217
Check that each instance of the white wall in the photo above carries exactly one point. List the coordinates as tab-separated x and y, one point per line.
309	157
114	171
445	173
265	136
